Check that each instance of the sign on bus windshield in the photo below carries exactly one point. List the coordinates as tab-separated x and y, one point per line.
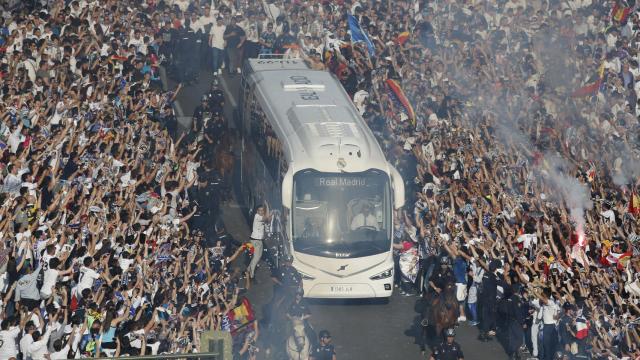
331	181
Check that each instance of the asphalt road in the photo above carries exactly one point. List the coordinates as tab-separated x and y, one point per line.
361	329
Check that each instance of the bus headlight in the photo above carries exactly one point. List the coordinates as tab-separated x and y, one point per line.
306	276
383	275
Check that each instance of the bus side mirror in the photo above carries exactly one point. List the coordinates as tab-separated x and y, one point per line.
287	188
398	188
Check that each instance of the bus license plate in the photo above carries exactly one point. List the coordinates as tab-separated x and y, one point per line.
341	289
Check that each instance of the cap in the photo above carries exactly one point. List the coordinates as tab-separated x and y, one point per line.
219	18
450	332
324	334
238	14
307	34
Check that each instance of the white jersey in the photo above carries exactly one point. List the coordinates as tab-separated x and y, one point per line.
87	277
8	348
49	281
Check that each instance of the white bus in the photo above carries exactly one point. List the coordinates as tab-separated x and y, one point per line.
308	152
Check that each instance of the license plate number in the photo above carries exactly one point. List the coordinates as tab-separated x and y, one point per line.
341	289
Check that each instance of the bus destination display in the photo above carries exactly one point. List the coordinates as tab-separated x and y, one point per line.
340	181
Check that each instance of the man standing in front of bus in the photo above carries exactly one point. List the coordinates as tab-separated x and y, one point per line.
258	232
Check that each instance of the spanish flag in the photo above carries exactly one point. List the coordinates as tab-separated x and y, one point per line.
241	316
620	12
397	94
402	37
634	203
620	260
590	88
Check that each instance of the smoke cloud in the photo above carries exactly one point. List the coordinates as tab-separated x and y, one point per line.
575	194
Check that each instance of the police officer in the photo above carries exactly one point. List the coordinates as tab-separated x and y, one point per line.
300	310
515	312
201	114
439	279
324	350
206	199
215	97
287	281
448	349
215	130
437	282
488	305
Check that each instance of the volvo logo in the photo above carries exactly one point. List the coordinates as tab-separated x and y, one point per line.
343	267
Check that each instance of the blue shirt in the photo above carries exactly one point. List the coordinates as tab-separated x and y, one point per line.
460	270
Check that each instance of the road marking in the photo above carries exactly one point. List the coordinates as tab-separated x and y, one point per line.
232	99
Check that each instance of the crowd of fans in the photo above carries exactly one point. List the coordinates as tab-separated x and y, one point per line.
103	219
521	165
521	108
502	174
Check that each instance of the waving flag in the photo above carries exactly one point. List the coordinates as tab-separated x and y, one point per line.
610	258
358	35
620	260
582	327
402	37
398	95
620	12
241	316
591	88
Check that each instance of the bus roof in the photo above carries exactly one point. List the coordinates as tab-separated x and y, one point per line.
314	118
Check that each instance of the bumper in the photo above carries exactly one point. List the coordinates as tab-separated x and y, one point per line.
374	289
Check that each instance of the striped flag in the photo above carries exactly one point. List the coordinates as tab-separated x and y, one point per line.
620	12
582	327
590	88
619	259
398	95
241	316
402	37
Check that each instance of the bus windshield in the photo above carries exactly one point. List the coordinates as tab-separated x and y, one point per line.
341	214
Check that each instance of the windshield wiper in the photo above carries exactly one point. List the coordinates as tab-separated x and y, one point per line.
312	247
